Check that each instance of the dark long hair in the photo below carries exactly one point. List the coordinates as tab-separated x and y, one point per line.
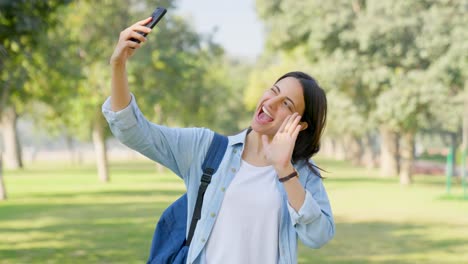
315	115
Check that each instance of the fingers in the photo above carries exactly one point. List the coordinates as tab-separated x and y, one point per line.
136	28
296	132
295	124
284	124
143	29
291	122
125	46
132	44
136	35
143	22
132	33
290	119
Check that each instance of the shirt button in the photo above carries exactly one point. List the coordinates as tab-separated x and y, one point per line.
235	151
212	214
203	240
233	170
223	189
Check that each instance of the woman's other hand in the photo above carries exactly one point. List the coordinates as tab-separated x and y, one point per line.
279	150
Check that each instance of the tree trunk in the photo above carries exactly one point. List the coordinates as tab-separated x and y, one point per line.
354	150
369	157
453	148
333	147
3	99
339	149
100	148
407	158
389	165
465	123
74	155
3	195
326	147
10	139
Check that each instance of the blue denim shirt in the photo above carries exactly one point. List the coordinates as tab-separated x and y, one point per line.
183	150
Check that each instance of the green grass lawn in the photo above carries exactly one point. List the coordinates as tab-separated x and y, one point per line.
64	215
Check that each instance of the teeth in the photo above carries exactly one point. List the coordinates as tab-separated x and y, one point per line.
266	112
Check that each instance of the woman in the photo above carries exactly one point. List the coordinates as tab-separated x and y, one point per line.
265	193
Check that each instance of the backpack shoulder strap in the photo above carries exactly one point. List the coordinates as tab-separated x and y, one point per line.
210	165
215	153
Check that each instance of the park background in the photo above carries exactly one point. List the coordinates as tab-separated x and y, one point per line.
394	151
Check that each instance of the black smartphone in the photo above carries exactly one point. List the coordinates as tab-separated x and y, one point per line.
158	13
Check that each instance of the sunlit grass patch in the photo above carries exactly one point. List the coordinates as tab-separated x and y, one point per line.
61	214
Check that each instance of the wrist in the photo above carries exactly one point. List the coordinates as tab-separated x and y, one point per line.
116	61
286	178
285	170
116	64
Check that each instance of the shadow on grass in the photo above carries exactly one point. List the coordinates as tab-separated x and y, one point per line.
377	182
109	194
418	180
116	226
360	180
67	201
384	242
78	233
117	167
121	233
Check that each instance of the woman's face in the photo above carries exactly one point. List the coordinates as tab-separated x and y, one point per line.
283	99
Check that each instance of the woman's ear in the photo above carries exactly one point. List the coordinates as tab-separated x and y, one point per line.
304	125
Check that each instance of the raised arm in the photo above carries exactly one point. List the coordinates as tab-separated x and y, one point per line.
120	94
175	148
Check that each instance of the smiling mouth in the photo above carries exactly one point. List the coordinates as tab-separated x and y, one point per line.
266	112
264	116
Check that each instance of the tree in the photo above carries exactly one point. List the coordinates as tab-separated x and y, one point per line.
407	39
378	54
176	69
184	70
21	23
320	33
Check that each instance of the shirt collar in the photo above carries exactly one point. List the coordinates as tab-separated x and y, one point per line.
238	138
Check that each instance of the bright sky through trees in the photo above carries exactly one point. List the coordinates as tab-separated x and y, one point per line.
239	30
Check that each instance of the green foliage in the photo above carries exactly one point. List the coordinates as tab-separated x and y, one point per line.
268	70
179	77
398	63
185	79
408	38
22	23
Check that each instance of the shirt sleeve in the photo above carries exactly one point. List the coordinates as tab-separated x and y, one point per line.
307	213
313	222
174	148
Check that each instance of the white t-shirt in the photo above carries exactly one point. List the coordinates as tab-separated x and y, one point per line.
246	229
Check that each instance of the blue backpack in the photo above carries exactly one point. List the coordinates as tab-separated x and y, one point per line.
169	243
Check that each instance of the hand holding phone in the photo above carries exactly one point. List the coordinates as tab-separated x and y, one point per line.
158	13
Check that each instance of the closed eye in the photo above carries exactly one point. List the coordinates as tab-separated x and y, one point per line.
288	102
288	105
